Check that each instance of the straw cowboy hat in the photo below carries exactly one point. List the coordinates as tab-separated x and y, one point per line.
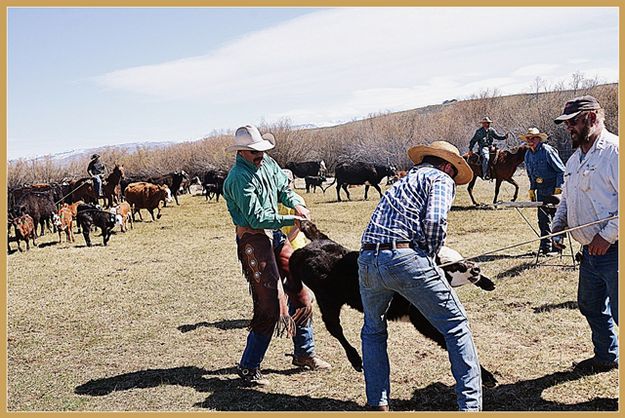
248	138
486	119
533	132
447	152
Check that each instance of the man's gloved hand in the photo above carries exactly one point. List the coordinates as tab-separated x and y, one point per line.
557	191
558	240
532	194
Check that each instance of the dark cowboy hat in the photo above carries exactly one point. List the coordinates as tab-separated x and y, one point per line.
576	106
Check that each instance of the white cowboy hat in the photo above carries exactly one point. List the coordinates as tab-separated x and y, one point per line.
248	138
532	132
486	119
447	152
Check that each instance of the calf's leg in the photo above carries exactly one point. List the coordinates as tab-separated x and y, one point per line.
330	314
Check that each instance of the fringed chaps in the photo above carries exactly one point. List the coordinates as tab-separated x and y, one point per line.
271	314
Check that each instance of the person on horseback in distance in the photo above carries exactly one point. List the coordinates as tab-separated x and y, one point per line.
483	137
96	170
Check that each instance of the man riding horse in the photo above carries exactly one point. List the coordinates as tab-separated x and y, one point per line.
96	170
483	137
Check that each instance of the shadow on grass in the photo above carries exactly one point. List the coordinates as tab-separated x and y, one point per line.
494	257
223	325
516	270
93	244
552	306
525	395
47	244
227	394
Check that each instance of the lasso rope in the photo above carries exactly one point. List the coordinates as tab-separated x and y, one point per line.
532	240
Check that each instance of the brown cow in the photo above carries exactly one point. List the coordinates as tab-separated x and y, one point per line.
63	222
24	230
142	195
123	210
73	208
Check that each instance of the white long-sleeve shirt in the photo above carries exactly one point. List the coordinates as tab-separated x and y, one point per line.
590	191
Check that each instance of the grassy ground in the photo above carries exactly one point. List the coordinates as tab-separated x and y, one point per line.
157	321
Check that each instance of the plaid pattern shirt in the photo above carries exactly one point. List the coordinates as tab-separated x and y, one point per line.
414	209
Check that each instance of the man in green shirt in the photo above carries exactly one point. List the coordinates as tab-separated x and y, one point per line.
483	137
254	187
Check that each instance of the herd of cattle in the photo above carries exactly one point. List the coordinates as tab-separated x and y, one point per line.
57	205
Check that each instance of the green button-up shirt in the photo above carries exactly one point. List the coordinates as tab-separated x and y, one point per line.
484	138
252	194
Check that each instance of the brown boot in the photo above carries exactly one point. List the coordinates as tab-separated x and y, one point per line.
382	408
311	362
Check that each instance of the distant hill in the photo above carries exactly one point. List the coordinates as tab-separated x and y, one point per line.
68	157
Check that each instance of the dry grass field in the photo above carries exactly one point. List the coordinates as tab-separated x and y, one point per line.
156	321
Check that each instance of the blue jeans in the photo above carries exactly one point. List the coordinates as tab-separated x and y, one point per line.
414	276
545	216
484	153
597	297
257	345
97	184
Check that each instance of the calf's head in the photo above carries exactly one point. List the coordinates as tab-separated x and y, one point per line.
462	271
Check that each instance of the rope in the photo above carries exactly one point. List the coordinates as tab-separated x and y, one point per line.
527	222
71	191
532	240
95	210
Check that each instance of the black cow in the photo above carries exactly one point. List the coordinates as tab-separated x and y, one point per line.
307	168
172	180
92	215
331	271
213	183
314	182
39	205
358	173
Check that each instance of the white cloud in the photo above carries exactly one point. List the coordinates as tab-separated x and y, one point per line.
533	69
344	63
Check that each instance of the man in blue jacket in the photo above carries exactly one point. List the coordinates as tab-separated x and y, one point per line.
546	173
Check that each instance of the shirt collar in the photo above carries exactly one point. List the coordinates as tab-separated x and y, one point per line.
600	141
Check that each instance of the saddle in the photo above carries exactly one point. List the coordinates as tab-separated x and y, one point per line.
493	155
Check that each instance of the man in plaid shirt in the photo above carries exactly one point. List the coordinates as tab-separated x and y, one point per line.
406	231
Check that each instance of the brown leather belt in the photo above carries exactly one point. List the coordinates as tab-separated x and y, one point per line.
240	230
386	246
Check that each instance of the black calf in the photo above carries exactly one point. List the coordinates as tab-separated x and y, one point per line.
331	272
314	182
88	215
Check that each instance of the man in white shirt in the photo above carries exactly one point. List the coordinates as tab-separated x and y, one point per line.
590	193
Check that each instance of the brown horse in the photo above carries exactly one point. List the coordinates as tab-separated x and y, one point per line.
111	188
503	168
83	189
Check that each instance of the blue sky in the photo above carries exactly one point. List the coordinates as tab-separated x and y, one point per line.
88	77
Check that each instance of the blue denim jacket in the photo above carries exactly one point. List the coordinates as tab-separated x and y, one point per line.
544	168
